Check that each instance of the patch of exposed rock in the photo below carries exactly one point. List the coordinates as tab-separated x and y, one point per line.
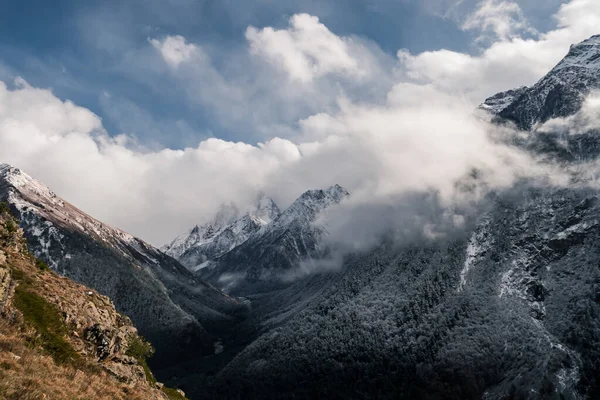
89	325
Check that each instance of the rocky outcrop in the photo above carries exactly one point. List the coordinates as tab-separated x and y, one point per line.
172	307
59	329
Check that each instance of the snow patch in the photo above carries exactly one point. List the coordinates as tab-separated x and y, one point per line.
479	244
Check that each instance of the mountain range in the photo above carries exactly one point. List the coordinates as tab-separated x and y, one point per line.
506	306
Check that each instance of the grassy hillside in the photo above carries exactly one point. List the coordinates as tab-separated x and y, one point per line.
61	340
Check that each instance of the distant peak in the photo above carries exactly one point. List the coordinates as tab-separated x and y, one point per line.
265	208
337	190
335	194
584	54
228	212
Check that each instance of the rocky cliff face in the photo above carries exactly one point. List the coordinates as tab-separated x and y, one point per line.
59	339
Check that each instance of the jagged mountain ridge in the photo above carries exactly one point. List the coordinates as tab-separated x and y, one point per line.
224	232
169	304
277	247
560	93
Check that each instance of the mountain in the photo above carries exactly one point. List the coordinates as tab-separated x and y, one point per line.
61	340
506	309
204	233
271	253
558	94
503	306
506	306
172	307
225	231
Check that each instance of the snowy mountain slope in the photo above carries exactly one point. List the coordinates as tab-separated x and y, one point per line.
278	246
227	230
500	101
506	307
406	321
200	234
168	304
558	94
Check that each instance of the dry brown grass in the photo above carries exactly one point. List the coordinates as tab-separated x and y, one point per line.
26	374
29	366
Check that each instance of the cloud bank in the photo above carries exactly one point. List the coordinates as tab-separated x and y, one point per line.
352	115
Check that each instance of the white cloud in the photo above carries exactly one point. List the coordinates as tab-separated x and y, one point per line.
306	50
258	96
149	193
406	145
413	132
502	18
174	49
505	64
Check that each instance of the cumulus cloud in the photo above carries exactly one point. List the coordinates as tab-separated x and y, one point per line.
415	132
149	193
282	76
307	49
505	64
174	49
501	18
408	145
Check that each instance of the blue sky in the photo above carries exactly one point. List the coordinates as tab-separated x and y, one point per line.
82	51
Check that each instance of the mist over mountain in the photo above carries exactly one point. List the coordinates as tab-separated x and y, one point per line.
340	216
482	292
228	229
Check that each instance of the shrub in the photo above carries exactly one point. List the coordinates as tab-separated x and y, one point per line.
141	350
41	265
20	276
11	226
4	208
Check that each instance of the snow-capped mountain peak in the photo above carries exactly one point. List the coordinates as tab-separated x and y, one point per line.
23	182
585	54
265	208
558	94
229	228
35	201
278	247
227	214
313	202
